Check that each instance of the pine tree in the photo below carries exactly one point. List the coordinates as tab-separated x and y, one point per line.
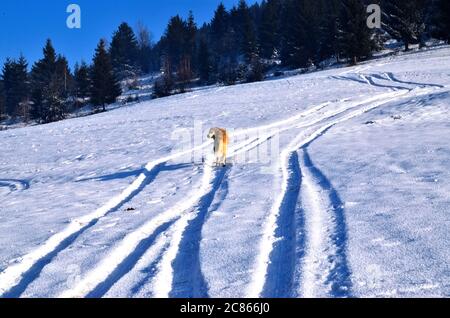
55	93
269	28
405	20
246	32
124	52
16	86
328	32
164	85
145	48
204	61
191	35
42	74
442	19
2	100
105	88
224	45
355	36
300	41
187	64
64	77
175	41
219	27
82	81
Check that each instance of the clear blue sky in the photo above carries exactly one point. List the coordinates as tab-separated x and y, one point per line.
26	24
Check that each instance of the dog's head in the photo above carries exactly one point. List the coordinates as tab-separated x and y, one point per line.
212	133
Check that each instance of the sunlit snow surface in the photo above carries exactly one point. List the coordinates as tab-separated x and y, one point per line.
356	202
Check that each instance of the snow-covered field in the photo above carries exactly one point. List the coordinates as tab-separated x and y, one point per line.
338	186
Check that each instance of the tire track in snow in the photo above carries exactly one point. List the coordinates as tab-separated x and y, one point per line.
325	270
309	260
18	276
269	237
101	273
282	272
180	275
112	264
391	77
128	262
31	264
165	277
107	266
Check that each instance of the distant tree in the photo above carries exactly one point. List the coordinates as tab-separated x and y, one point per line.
300	46
405	20
191	37
328	30
104	86
224	45
2	100
124	52
219	27
145	49
165	84
269	28
175	41
355	36
179	43
255	72
44	87
55	93
64	77
246	32
441	19
204	61
15	86
187	64
82	82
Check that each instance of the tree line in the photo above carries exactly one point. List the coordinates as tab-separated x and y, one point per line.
237	45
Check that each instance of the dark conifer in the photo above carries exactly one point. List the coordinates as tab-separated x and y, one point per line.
124	52
42	74
355	36
204	61
104	86
269	28
405	20
15	87
82	83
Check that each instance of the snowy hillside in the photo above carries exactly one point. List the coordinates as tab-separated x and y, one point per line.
338	187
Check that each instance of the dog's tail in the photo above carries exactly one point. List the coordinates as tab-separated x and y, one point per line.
225	141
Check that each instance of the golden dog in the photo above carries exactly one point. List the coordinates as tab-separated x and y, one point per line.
220	137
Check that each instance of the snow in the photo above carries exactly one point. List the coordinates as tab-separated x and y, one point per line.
336	187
